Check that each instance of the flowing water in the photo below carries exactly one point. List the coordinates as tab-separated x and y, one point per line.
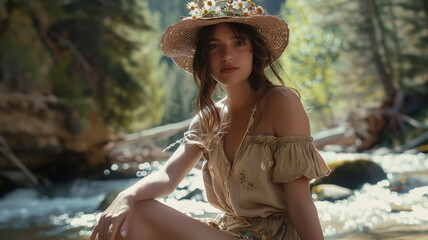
69	210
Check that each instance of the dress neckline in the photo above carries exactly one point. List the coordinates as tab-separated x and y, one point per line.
247	130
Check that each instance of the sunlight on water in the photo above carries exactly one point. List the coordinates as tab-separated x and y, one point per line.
374	205
70	211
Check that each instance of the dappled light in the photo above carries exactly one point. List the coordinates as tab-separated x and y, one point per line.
89	106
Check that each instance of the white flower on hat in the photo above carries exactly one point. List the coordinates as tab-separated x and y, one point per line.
206	9
209	3
246	13
219	8
192	6
238	4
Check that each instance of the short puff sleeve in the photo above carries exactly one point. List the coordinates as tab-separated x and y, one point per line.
193	136
296	156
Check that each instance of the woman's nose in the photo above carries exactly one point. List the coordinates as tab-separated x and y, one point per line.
227	53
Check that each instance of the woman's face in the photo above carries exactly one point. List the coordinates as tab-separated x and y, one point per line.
230	57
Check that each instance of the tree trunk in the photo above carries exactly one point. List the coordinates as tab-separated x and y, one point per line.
367	9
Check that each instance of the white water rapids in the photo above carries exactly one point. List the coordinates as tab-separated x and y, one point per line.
68	211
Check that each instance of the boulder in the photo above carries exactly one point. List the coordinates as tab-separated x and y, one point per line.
353	174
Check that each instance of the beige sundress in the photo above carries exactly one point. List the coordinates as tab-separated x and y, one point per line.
250	191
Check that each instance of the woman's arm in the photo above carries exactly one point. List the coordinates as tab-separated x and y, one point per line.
165	180
289	119
301	209
157	184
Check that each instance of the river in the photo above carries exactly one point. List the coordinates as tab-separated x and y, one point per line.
69	210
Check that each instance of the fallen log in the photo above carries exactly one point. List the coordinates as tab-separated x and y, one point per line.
159	133
341	135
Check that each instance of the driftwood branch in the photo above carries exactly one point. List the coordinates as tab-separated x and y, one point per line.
413	144
160	133
341	135
7	152
413	122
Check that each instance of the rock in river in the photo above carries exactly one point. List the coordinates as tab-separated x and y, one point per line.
353	174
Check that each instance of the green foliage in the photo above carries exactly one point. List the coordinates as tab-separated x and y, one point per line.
170	10
107	51
349	54
312	50
395	31
180	92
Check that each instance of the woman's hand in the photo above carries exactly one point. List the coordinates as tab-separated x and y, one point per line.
117	214
157	184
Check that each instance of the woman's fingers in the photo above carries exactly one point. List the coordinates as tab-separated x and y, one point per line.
94	232
103	232
111	231
125	226
111	220
114	226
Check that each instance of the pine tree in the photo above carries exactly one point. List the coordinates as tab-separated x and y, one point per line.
85	49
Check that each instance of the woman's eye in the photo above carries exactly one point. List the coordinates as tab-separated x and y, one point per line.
212	46
240	43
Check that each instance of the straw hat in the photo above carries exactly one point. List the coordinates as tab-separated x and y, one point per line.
179	39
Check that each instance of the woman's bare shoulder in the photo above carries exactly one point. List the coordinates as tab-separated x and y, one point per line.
282	95
280	98
285	111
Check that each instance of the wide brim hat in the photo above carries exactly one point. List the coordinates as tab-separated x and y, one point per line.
179	39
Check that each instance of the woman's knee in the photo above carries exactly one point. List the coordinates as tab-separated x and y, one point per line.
145	208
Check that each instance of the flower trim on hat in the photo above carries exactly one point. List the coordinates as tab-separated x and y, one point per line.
222	8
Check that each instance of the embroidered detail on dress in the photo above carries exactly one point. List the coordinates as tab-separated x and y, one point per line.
264	234
270	164
246	184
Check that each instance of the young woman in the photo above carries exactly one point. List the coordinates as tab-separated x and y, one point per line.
260	156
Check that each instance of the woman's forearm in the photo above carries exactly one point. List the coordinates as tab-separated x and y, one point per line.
153	186
164	181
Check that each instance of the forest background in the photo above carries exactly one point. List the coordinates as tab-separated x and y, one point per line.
75	74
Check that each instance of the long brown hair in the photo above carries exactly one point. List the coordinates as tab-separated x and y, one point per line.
209	116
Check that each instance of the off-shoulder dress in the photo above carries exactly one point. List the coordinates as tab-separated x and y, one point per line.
250	191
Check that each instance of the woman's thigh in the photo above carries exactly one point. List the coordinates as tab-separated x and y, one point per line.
153	220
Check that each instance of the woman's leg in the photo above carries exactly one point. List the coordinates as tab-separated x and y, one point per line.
156	221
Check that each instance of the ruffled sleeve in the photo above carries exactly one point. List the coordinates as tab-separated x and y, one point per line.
192	136
297	156
195	136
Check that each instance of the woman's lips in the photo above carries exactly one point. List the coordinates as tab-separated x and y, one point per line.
228	69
